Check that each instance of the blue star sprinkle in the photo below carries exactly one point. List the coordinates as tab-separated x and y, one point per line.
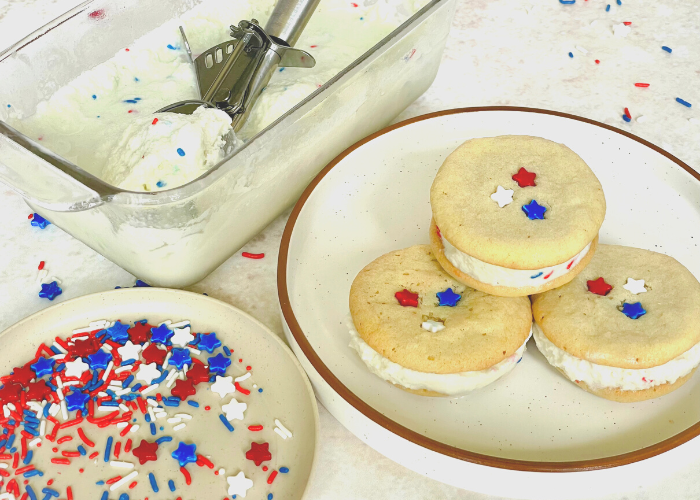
185	453
99	360
50	291
77	400
39	221
140	284
533	210
218	364
180	358
43	366
448	298
633	311
161	335
118	332
209	342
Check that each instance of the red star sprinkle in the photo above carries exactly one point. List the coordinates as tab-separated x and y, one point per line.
198	374
154	355
38	391
140	333
23	375
83	348
183	388
258	453
10	393
599	287
525	178
145	451
406	298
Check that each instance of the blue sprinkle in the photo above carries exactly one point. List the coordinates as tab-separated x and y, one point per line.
281	70
180	151
14	449
619	2
127	381
684	103
98	117
171	485
31	431
50	492
571	54
10	441
140	283
82	450
124	496
30	491
105	495
108	448
667	49
567	2
100	483
32	473
163	439
170	402
193	403
2	443
137	98
54	350
269	496
131	101
362	19
153	429
136	79
9	106
46	408
171	47
128	362
519	360
147	417
136	388
537	275
284	470
152	479
226	422
109	403
161	427
39	221
227	351
607	9
260	390
94	97
28	458
160	184
626	118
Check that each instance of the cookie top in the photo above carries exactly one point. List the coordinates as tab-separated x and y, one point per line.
479	331
582	320
566	194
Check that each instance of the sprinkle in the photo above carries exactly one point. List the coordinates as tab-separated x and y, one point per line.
155	120
283	428
171	485
684	103
225	422
667	49
108	448
284	470
567	2
607	9
626	118
181	151
581	49
255	428
171	47
643	85
248	255
571	54
123	481
273	474
628	114
597	61
193	403
152	479
121	465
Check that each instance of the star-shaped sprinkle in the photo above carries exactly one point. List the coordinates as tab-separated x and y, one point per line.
633	311
599	287
238	485
525	178
23	375
432	326
258	453
182	336
218	364
185	453
76	368
99	360
448	298
77	401
145	451
152	354
140	332
129	350
50	291
198	373
38	391
503	196
406	298
180	358
234	409
43	366
83	348
183	389
10	393
118	332
148	372
634	286
534	211
208	342
161	335
39	221
223	386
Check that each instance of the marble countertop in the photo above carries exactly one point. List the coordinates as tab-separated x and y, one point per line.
576	58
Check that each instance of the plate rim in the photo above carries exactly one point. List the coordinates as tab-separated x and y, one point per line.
395	428
170	291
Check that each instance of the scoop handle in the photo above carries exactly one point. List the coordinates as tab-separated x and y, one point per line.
289	18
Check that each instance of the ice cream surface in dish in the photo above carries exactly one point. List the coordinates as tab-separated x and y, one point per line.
107	108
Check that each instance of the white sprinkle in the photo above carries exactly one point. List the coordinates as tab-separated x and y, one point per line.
146	344
121	425
59	382
106	408
171	374
121	465
134	428
58	346
641	119
98	324
150	412
123	369
280	433
131	475
121	392
3	466
71	382
42	275
34	442
255	386
174	420
34	406
148	389
86	329
167	358
109	369
123	407
42	427
194	351
242	377
184	370
107	347
185	416
581	49
284	429
64	410
152	402
170	384
179	426
58	356
5	411
54	409
102	394
60	394
115	383
222	472
161	415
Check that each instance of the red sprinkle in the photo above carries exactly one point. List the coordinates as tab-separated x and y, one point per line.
69	493
27	468
93	455
64	439
118	448
272	477
201	461
30	217
84	438
155	120
60	461
643	85
255	428
70	454
97	14
133	485
241	389
248	255
248	368
113	480
570	264
547	276
127	446
207	408
41	265
627	23
597	61
354	4
627	113
188	479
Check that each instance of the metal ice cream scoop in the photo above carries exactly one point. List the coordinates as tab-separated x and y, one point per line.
232	75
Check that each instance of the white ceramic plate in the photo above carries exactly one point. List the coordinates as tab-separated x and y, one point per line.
287	395
374	198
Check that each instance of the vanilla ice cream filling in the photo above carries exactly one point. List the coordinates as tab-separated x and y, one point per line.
609	377
451	384
503	276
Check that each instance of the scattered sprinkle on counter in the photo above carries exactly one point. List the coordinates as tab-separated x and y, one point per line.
38	221
181	151
667	49
684	103
248	255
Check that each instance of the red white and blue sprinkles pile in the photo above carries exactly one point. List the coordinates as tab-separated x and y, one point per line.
113	406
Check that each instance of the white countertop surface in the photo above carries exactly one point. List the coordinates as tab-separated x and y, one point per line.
500	52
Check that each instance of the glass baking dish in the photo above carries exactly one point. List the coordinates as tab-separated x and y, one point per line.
176	237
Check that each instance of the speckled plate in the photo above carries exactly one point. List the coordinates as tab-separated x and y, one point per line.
506	438
286	395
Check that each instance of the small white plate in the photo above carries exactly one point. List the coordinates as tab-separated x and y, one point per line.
286	395
374	198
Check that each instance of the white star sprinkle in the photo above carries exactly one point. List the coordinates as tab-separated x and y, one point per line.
76	368
432	326
634	286
234	409
503	196
238	484
148	372
129	350
182	336
223	386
